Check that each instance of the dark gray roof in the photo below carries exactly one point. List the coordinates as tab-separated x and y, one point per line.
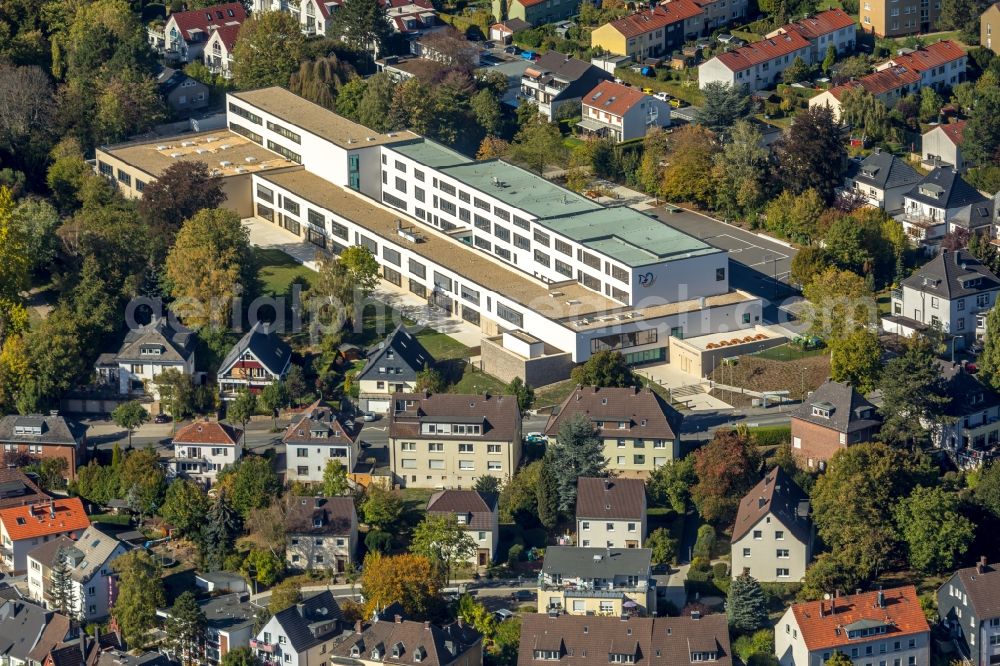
610	499
563	67
16	489
54	430
581	77
968	394
401	640
398	358
21	625
945	188
174	344
953	274
570	561
273	353
982	584
848	410
229	612
312	615
168	79
776	495
883	170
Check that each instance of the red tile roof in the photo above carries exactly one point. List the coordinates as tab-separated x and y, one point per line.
929	57
208	432
821	24
202	21
58	517
879	83
227	35
763	51
656	18
823	630
954	131
613	98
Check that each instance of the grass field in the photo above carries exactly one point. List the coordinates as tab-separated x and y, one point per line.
277	271
789	353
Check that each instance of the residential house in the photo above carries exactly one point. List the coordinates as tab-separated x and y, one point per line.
597	581
203	448
556	83
881	625
145	353
22	528
230	619
719	13
970	429
773	536
953	292
693	640
650	33
896	18
399	642
941	65
186	33
942	146
943	202
881	179
88	561
504	31
322	533
31	437
989	26
969	607
758	65
478	515
535	12
834	417
316	436
29	632
218	53
637	428
449	440
122	658
84	651
621	113
16	489
391	367
182	94
300	635
887	86
610	512
260	358
833	27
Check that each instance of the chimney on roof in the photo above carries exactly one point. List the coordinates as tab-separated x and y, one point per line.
398	618
357	626
300	609
981	565
695	615
607	484
427	624
880	599
460	621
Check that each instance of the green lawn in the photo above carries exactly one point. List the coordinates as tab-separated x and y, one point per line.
789	353
442	347
686	90
476	381
553	394
277	270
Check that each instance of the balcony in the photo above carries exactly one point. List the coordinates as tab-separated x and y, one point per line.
262	646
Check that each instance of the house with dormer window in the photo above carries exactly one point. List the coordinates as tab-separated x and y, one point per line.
27	438
834	417
203	448
185	34
881	179
388	638
969	430
952	293
597	581
321	533
391	367
259	359
218	53
146	352
316	436
305	634
969	608
477	515
942	203
610	513
621	113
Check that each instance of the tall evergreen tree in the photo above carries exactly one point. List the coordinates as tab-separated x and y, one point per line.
219	535
186	630
746	607
577	452
547	494
362	24
62	584
913	393
811	153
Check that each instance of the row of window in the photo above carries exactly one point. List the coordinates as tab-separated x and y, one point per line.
780	553
608	527
438	447
463	465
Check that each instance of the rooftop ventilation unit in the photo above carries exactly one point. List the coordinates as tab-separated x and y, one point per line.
187	144
225	163
162	147
250	160
225	146
175	155
210	139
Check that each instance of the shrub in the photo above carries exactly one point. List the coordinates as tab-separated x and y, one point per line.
706	541
771	435
515	554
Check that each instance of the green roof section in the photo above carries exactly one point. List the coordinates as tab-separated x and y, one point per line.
430	153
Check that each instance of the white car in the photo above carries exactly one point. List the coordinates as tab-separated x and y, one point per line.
662	96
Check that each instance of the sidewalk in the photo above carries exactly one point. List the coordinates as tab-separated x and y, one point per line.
671	378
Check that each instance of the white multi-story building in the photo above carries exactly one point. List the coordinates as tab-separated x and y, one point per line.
967	608
477	514
610	513
315	437
321	533
203	448
147	352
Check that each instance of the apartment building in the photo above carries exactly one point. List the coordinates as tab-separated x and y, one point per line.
556	84
719	13
651	33
756	66
316	436
943	202
887	86
450	440
834	417
896	18
942	146
322	533
833	27
969	430
22	528
621	113
315	17
597	581
186	33
941	65
535	12
30	437
477	513
637	429
395	641
218	53
881	179
597	641
485	241
773	535
989	28
610	513
878	626
203	448
967	606
301	635
88	560
260	358
229	626
391	367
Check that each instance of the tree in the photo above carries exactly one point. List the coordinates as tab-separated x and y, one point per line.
492	147
430	379
407	579
335	479
285	595
830	571
519	496
262	566
242	407
35	222
363	25
987	491
809	262
273	397
130	415
63	598
669	484
740	170
128	104
839	302
185	506
546	495
933	529
811	153
688	176
838	658
183	189
724	105
442	540
340	287
605	369
989	359
251	484
96	483
799	70
187	629
863	111
913	393
577	452
487	484
378	542
981	137
295	384
176	392
381	507
962	15
242	656
140	593
221	528
662	545
537	145
209	265
829	59
523	392
319	80
726	468
796	216
268	50
142	481
857	359
746	607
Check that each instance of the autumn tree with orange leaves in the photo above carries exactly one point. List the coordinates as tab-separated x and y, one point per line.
410	580
727	468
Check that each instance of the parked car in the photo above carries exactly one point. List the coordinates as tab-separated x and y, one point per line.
522	595
678	103
368	417
662	96
161	418
534	438
502	614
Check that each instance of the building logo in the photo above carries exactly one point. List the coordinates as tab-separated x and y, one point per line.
647	280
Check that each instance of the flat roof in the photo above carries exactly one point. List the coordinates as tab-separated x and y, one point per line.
731	339
212	148
316	119
431	154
